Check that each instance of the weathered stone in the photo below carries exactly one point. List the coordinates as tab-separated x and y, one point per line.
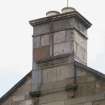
81	73
59	96
55	103
36	42
53	87
100	102
63	24
18	98
44	40
85	99
41	29
91	78
58	42
51	75
57	73
89	103
59	37
62	48
28	102
41	53
80	47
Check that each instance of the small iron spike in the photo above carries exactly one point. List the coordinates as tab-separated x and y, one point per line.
67	3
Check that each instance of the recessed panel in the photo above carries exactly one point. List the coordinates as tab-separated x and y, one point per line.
57	73
36	42
41	53
44	40
49	75
62	48
59	37
64	72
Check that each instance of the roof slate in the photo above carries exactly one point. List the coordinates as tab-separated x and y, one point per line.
15	87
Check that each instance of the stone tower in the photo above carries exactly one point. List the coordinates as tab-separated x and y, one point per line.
58	40
60	75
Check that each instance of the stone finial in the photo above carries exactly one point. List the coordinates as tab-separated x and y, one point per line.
52	13
67	9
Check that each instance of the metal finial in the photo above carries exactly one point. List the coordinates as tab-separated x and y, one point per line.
67	3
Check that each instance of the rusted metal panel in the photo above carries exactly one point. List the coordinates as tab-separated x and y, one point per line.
41	53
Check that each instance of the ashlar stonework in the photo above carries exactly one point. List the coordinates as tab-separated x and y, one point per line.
60	75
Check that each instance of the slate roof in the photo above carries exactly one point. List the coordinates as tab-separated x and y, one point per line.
93	71
15	87
24	79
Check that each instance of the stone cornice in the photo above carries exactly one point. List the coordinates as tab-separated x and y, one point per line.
74	14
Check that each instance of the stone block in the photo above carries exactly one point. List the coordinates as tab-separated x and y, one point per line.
53	86
89	103
64	72
25	102
44	40
81	79
69	36
26	87
80	39
100	102
58	96
80	47
28	102
80	53
85	100
45	76
57	73
55	103
62	48
18	98
63	24
22	103
59	37
36	42
41	29
41	53
86	89
81	73
49	75
36	76
91	78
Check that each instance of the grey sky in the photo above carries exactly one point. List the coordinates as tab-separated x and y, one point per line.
16	40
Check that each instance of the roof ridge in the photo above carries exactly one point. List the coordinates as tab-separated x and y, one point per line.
98	73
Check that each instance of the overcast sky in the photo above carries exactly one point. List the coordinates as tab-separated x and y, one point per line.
16	35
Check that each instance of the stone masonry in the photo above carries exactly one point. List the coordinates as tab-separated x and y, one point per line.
60	75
